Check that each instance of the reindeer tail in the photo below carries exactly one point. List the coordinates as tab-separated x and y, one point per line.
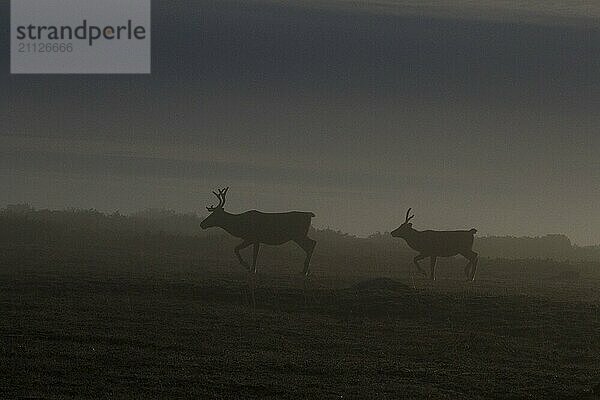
473	231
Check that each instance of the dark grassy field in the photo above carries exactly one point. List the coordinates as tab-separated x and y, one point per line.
93	332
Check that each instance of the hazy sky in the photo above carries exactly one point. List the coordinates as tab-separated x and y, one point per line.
482	115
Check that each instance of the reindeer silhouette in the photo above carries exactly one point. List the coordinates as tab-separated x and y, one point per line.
436	244
256	227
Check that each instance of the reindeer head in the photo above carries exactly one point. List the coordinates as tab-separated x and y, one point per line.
216	212
405	228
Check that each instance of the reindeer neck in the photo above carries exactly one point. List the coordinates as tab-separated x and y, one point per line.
412	238
231	223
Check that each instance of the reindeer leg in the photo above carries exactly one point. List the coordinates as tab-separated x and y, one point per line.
474	261
471	267
237	249
256	248
468	268
308	245
416	262
433	262
309	253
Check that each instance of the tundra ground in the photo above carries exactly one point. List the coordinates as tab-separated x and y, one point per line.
77	333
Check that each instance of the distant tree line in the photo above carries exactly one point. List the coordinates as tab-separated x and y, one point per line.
156	231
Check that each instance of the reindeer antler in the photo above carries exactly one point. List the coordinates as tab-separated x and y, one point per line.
407	217
221	196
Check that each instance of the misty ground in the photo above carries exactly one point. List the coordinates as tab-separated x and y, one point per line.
80	330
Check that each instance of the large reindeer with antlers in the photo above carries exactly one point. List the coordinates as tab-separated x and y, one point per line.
256	227
434	244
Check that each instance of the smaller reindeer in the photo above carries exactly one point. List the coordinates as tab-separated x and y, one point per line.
256	227
434	244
